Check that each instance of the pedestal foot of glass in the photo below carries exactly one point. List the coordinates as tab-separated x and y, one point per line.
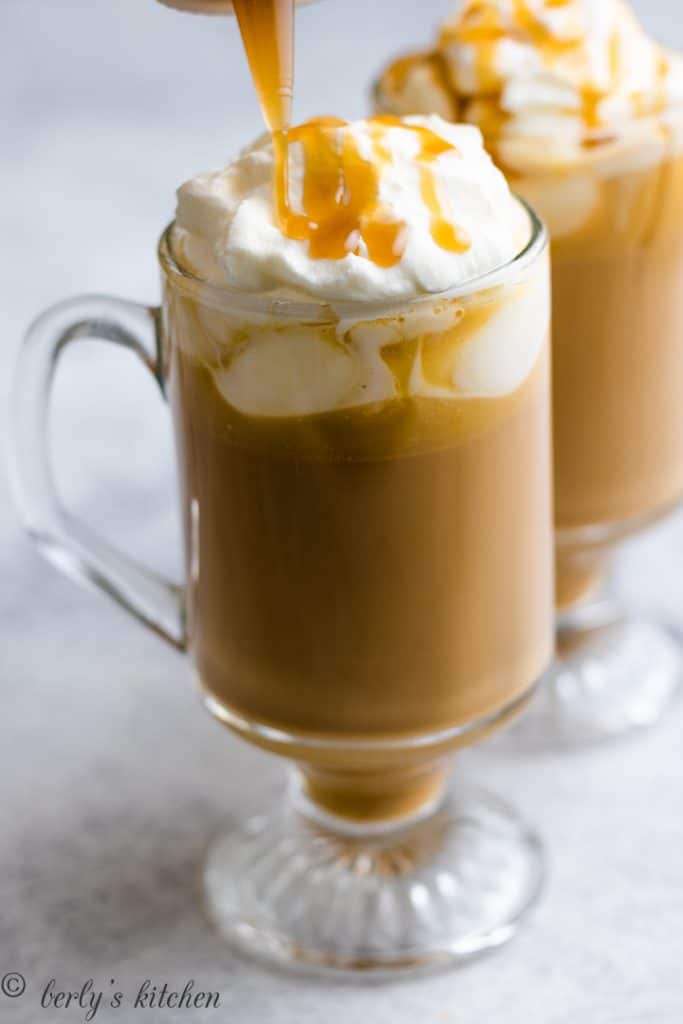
300	888
614	674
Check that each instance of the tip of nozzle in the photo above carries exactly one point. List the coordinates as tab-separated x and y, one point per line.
208	6
200	6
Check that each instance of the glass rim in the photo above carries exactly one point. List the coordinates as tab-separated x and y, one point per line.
279	305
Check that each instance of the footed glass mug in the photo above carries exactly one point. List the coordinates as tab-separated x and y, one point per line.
614	215
369	587
617	259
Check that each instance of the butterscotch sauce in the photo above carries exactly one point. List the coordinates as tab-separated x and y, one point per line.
340	208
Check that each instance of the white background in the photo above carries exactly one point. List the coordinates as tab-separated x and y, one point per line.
112	779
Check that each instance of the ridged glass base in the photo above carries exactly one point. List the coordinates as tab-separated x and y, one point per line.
607	681
309	891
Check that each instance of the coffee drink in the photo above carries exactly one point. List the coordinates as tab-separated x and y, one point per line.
367	499
354	342
579	108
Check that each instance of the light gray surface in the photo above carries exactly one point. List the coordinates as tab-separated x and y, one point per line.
112	778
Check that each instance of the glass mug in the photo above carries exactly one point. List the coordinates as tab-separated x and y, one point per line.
614	221
369	588
617	260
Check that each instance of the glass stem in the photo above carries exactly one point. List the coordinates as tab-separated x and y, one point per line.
366	799
596	608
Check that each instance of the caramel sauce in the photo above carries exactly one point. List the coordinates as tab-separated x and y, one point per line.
401	69
340	205
340	210
482	27
663	68
480	22
542	37
615	57
644	105
591	98
340	196
400	72
445	232
267	29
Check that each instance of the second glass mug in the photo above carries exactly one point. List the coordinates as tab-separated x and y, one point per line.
368	589
614	220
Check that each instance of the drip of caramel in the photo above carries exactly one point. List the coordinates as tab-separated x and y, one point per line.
591	98
482	26
340	204
447	234
481	21
542	37
444	232
339	211
267	28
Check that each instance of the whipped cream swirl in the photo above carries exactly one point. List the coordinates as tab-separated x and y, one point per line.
228	233
555	71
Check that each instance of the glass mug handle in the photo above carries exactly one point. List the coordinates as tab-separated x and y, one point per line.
70	544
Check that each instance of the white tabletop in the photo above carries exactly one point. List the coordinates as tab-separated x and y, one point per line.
112	779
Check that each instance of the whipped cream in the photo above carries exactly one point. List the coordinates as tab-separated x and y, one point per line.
482	343
228	233
455	353
539	75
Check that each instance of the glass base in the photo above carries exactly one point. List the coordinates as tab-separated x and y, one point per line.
609	679
306	890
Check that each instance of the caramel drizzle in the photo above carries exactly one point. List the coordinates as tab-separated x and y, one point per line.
340	205
444	231
540	34
340	209
483	26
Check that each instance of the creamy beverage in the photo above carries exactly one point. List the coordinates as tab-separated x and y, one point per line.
340	462
367	486
353	340
582	111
